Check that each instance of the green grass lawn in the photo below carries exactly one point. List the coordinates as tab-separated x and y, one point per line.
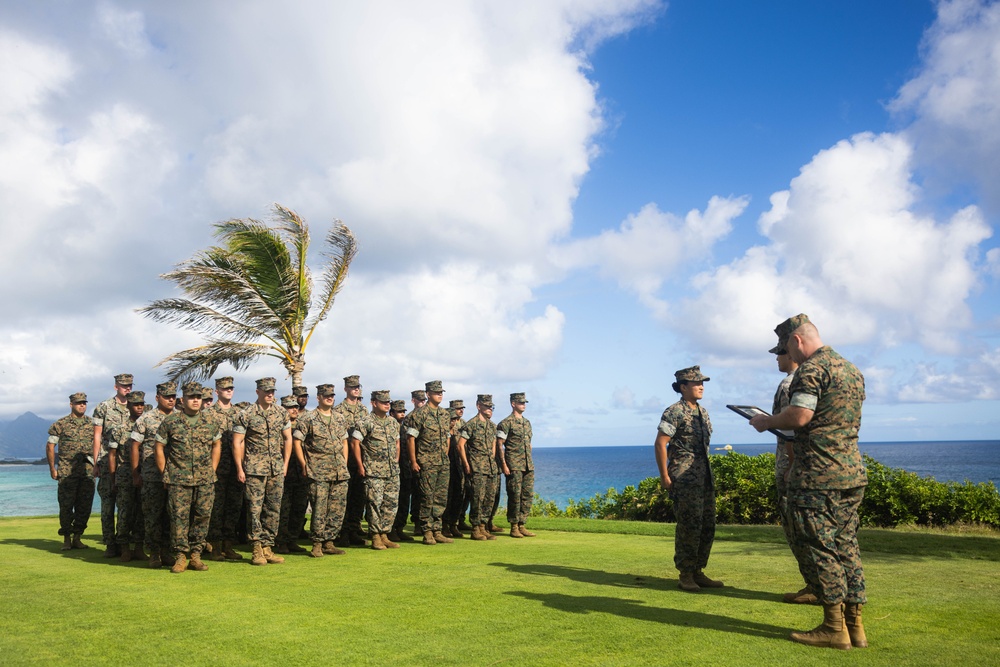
582	592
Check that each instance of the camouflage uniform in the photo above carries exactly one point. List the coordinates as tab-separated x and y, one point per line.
692	485
153	494
263	465
189	476
405	481
323	441
379	438
827	479
73	438
480	443
351	413
294	498
228	488
781	460
430	427
457	482
130	526
516	433
108	414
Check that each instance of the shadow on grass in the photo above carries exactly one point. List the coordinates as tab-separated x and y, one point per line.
92	554
618	580
638	610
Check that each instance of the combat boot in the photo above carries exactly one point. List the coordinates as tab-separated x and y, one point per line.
429	537
137	552
388	543
330	547
258	555
196	562
514	532
377	543
228	553
445	530
112	550
403	537
686	583
855	628
281	548
124	554
488	535
342	540
524	531
180	563
831	633
216	552
477	534
803	596
154	559
356	539
271	558
294	548
394	535
67	543
463	525
77	544
439	537
702	580
166	558
317	550
493	528
456	531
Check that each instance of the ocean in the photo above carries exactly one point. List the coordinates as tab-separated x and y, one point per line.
562	473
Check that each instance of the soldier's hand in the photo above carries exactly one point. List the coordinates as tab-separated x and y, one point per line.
415	467
468	470
506	471
54	473
760	423
97	471
665	481
241	476
136	479
361	470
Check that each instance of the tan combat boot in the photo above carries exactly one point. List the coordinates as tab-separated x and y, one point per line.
686	583
329	547
803	596
258	555
271	557
77	544
446	530
317	550
138	553
180	563
124	554
67	543
216	552
154	558
439	537
524	531
702	580
377	542
514	532
456	531
855	628
493	528
196	562
831	633
477	534
388	543
429	537
228	553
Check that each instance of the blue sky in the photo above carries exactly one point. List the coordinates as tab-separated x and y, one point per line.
572	199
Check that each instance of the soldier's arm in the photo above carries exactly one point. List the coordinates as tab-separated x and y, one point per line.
791	418
50	456
216	453
356	454
113	463
299	454
160	457
660	447
98	430
286	453
411	448
238	456
397	450
501	454
461	452
343	450
135	460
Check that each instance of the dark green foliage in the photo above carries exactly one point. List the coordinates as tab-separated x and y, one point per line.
746	494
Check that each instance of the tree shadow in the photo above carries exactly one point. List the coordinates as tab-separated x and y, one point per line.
619	580
640	611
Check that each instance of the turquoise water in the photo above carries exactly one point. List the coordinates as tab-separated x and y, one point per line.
580	472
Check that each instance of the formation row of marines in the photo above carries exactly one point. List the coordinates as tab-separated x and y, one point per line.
182	476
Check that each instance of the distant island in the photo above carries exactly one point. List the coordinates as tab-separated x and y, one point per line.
22	462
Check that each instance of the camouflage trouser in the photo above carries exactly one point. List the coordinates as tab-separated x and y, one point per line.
520	493
263	496
416	498
456	492
226	507
128	500
329	502
76	499
190	510
496	502
484	489
433	496
382	496
783	518
294	501
825	531
403	501
355	498
694	508
154	514
107	494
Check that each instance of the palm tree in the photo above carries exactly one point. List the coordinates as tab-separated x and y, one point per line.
251	296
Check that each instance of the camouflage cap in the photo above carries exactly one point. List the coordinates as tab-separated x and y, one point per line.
243	405
224	383
352	381
136	397
326	390
778	349
124	378
485	400
398	406
434	385
418	394
266	384
453	413
78	397
289	402
207	394
382	396
166	389
785	329
518	397
458	404
692	374
299	390
193	389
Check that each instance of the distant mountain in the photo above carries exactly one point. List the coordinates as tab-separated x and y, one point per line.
24	437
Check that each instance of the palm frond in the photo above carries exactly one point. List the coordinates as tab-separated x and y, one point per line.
341	247
295	232
201	363
196	317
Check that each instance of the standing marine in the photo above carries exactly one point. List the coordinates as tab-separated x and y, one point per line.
295	497
352	409
514	441
228	502
68	451
427	438
128	496
375	447
477	449
148	478
107	415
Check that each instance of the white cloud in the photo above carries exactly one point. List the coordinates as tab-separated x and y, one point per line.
125	29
